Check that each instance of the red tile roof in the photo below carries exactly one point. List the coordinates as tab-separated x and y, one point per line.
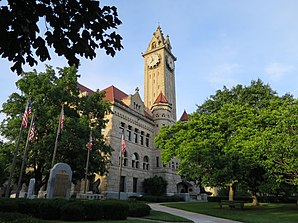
82	88
161	99
184	117
113	93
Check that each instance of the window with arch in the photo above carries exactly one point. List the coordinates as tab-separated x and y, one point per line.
135	161
153	45
146	163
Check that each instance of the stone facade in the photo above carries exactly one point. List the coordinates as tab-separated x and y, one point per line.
140	122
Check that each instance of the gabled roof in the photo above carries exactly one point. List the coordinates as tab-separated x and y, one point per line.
82	88
184	117
161	99
114	94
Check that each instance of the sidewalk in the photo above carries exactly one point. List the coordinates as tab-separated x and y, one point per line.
197	218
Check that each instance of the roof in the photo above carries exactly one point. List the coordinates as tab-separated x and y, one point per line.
184	117
161	99
82	88
114	94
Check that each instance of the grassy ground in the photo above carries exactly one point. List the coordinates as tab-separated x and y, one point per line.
162	216
125	221
265	213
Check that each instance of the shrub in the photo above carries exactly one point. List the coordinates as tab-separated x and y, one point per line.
115	210
49	210
73	211
93	210
155	186
138	209
8	205
17	218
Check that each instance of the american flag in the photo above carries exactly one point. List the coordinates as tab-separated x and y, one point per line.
90	142
26	115
123	145
61	123
32	132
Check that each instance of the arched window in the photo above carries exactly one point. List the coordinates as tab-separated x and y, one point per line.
135	160
153	45
146	163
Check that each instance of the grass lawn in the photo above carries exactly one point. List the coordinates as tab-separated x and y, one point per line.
264	213
124	221
162	216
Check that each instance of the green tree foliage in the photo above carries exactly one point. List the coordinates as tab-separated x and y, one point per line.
155	186
71	28
48	92
238	135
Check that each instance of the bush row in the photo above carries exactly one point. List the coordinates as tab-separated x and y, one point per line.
75	210
262	199
157	199
17	218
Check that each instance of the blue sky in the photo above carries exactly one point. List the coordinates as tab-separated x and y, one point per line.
216	42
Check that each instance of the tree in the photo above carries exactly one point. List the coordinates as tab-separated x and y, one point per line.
72	27
155	186
48	93
224	142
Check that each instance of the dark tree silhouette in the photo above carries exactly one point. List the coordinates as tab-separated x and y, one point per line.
72	28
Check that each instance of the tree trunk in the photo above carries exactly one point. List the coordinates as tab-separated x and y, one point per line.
255	200
232	188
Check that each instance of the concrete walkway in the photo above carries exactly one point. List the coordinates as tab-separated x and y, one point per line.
197	218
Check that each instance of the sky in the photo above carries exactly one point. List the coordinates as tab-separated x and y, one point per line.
217	43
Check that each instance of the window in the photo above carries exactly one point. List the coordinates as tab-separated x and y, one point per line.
122	184
173	165
147	140
124	159
135	136
142	138
128	133
153	45
157	161
121	129
135	161
146	163
134	184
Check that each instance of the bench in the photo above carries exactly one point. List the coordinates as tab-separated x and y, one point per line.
231	204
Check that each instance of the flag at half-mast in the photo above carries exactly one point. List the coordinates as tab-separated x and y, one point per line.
62	118
26	115
123	144
32	132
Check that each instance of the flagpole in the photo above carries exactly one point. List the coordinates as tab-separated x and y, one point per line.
87	162
13	165
120	172
24	158
122	150
57	136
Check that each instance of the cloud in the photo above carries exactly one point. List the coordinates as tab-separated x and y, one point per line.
223	75
277	71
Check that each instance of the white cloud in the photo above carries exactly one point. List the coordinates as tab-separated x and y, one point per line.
277	71
224	74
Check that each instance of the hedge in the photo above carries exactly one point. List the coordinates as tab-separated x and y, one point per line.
75	209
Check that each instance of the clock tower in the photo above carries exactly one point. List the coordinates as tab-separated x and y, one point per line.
159	72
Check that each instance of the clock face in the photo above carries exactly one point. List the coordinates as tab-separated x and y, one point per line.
153	60
170	63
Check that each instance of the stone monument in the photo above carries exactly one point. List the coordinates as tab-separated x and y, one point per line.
31	186
59	184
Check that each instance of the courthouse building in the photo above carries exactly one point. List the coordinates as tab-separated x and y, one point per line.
141	121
